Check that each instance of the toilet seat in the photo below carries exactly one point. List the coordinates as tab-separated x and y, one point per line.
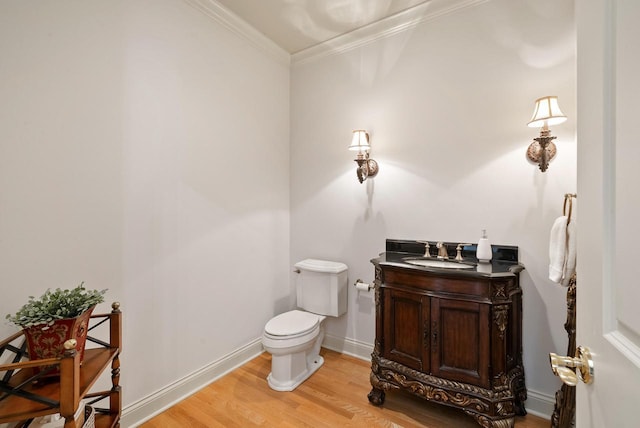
292	324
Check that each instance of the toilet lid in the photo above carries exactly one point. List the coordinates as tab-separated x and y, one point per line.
291	323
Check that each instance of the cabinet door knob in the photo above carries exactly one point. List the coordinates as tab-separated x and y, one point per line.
425	334
435	334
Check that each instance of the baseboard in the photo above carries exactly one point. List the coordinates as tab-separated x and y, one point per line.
538	403
347	346
143	410
133	415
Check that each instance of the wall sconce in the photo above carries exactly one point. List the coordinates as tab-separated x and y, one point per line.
366	167
547	112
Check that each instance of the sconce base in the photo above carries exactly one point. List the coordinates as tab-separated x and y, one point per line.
541	152
366	167
373	167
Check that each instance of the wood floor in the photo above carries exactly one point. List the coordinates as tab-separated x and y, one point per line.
335	396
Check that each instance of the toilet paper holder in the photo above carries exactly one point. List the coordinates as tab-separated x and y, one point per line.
362	286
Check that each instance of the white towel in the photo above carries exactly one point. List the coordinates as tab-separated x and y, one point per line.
557	249
570	259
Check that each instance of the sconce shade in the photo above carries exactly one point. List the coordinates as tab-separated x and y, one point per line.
547	112
360	141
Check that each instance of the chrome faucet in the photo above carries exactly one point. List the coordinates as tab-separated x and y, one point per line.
442	250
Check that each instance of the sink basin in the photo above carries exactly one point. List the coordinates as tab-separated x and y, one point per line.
441	264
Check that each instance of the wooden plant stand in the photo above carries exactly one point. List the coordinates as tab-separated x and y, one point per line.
27	393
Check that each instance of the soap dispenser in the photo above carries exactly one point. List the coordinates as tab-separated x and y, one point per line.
483	252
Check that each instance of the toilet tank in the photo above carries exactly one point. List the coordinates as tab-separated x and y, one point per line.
321	287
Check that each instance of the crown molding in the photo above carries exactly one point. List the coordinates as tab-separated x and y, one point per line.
387	27
241	28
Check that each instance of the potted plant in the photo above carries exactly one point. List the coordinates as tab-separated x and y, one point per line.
56	317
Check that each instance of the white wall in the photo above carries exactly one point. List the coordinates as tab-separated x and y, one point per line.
446	104
145	148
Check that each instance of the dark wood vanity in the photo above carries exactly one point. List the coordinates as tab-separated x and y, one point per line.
451	336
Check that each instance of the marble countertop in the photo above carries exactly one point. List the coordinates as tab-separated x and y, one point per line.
504	259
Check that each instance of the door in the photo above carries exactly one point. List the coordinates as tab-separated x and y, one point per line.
406	328
608	274
460	341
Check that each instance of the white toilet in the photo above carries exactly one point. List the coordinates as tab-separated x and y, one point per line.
294	338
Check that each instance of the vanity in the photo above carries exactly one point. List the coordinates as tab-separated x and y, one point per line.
450	331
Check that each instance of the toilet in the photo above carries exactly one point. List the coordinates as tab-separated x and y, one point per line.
294	338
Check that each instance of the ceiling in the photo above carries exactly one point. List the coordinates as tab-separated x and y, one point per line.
296	25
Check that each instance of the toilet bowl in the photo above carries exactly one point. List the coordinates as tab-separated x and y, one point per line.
293	339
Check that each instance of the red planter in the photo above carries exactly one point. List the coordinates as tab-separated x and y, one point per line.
47	341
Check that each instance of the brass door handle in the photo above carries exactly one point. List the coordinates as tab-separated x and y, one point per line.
582	362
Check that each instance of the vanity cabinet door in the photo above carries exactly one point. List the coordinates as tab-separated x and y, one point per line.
406	328
460	341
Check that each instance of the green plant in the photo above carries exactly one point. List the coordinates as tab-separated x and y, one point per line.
57	304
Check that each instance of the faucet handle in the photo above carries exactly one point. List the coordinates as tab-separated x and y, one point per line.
459	248
426	248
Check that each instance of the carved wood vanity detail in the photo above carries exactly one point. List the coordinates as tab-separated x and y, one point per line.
450	336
